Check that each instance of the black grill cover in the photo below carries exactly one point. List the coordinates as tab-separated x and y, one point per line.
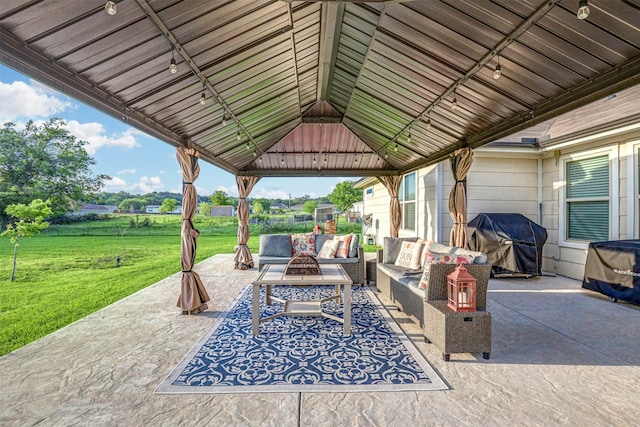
613	269
513	243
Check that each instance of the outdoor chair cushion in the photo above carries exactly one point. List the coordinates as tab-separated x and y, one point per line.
275	245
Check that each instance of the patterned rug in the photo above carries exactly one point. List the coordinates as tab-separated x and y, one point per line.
294	353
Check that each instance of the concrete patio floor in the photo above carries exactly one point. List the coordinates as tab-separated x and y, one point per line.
561	356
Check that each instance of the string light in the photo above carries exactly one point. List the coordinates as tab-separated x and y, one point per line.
409	137
497	73
428	124
111	7
583	9
248	146
238	137
454	103
173	67
203	97
255	154
224	120
386	155
395	148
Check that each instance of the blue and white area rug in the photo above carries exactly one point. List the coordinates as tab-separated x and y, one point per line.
303	354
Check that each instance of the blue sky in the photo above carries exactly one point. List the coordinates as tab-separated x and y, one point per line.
136	162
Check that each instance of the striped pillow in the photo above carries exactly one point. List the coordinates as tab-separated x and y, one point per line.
343	247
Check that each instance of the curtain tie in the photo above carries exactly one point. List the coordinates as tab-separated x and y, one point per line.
187	182
187	271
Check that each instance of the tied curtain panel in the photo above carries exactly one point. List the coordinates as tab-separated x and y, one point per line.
193	295
243	258
461	161
392	184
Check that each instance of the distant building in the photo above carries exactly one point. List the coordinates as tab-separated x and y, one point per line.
154	209
90	208
226	210
324	212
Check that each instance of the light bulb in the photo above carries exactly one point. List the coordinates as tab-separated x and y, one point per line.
224	121
111	8
260	159
583	9
248	146
238	137
428	124
173	68
409	139
395	148
497	72
325	159
254	153
386	154
203	99
314	160
282	161
454	103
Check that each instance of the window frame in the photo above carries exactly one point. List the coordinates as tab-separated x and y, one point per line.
613	197
404	203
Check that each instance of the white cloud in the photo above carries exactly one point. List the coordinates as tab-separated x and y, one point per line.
127	171
269	193
144	185
231	190
115	185
20	99
94	134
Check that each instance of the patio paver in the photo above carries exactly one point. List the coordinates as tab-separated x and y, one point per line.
561	356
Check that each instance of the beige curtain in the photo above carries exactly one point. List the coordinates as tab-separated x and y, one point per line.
243	258
193	295
392	184
461	160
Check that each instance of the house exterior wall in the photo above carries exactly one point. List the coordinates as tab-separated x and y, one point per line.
530	182
566	257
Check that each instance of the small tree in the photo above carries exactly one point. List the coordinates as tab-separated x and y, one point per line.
204	208
310	206
344	196
261	205
168	205
220	198
30	222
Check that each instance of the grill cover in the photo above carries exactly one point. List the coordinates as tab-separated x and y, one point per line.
513	243
613	269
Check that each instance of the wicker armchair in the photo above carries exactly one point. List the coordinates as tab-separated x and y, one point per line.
457	332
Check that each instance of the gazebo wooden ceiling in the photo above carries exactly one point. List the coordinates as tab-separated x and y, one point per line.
326	88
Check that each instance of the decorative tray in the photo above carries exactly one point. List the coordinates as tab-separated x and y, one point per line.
302	264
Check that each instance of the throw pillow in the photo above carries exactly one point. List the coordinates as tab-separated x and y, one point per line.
438	258
409	256
303	244
329	249
343	247
353	246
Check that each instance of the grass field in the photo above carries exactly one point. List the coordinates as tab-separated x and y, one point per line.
70	271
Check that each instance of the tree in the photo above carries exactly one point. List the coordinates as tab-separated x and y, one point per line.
204	208
344	196
220	198
309	206
168	205
135	204
30	222
45	162
261	205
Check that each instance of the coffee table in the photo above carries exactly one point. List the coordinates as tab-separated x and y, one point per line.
274	275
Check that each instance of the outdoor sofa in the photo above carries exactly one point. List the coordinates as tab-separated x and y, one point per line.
401	284
279	248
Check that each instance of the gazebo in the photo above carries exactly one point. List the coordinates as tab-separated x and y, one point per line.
268	88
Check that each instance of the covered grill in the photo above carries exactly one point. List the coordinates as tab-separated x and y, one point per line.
513	243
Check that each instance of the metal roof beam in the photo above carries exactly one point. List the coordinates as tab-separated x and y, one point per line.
332	15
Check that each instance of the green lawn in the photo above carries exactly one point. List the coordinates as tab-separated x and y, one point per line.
70	271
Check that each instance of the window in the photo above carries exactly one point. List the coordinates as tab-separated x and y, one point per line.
369	192
587	198
407	198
